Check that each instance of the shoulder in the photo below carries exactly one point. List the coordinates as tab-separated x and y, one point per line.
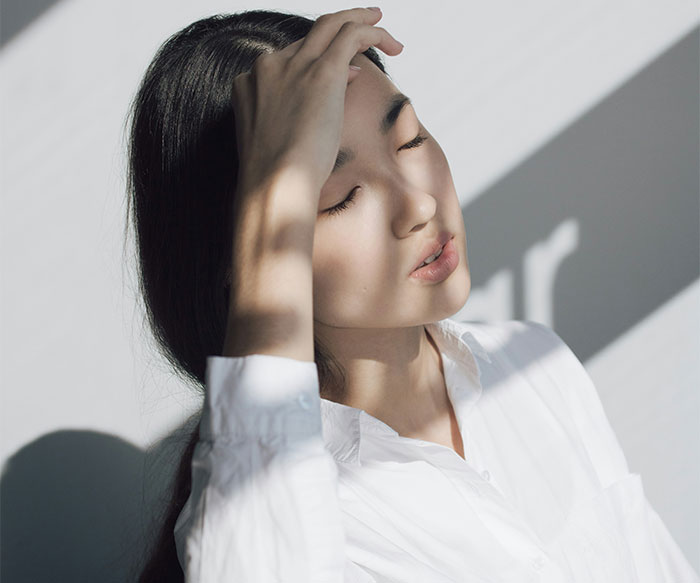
541	365
533	351
531	359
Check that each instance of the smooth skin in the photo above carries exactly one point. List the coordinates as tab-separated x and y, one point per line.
297	268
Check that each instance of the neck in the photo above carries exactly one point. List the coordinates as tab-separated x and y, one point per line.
394	374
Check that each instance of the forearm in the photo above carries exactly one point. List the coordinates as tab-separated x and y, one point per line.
271	302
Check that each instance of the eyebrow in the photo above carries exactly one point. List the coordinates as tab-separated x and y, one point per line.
395	105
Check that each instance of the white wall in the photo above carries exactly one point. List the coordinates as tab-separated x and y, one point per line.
569	130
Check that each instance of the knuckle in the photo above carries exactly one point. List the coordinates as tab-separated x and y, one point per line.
325	19
350	26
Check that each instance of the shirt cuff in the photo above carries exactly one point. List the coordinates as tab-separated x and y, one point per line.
260	395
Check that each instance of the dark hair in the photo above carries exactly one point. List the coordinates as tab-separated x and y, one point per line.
181	177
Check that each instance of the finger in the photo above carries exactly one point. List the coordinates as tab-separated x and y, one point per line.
340	17
327	26
291	49
356	38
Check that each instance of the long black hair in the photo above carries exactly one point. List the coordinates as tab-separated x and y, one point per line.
181	177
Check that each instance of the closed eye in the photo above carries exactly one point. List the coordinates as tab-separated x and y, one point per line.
416	142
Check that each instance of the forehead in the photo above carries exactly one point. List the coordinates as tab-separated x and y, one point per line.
372	109
368	96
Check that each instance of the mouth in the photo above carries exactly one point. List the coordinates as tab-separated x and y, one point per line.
433	251
443	264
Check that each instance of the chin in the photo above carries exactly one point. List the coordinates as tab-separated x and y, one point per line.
454	296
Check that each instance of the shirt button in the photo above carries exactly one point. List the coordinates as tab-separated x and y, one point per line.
303	401
485	474
538	563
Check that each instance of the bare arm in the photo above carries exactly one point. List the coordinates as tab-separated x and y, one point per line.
271	308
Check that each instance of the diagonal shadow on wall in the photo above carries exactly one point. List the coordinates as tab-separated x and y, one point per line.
16	15
627	172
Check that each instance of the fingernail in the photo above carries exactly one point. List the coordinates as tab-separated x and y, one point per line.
355	67
374	8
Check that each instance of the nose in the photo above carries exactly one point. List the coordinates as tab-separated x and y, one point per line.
412	210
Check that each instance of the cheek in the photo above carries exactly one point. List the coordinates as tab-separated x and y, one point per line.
349	276
338	285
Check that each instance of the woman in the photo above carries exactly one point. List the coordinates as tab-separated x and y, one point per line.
302	248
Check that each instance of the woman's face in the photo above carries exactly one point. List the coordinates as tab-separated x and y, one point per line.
404	198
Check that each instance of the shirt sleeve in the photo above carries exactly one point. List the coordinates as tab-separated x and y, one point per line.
263	505
609	461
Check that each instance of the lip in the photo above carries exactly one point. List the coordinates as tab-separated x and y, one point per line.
432	247
442	267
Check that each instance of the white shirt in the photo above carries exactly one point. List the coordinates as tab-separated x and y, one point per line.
290	487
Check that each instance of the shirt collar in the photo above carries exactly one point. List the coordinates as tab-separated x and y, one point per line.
463	357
